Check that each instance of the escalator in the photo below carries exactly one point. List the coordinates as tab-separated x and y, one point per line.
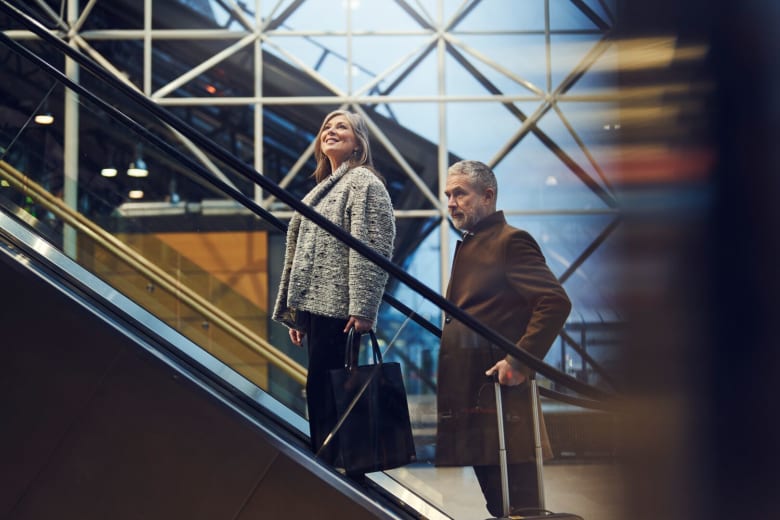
132	386
110	414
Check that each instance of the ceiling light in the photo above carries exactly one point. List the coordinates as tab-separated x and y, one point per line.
137	168
108	172
136	194
44	119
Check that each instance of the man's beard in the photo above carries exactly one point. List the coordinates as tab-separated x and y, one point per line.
467	222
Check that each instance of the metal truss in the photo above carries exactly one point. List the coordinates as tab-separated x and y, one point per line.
258	26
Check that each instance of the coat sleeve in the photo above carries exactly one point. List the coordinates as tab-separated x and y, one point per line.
528	274
373	223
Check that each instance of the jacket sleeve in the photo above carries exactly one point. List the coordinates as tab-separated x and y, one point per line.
281	312
373	223
528	274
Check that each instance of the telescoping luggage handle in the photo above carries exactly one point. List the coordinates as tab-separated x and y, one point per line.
534	391
538	456
502	447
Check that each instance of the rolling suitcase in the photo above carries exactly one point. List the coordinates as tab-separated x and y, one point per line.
529	514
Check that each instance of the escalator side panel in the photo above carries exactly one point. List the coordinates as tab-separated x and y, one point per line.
93	426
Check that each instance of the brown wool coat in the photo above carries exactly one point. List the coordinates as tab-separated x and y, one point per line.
500	277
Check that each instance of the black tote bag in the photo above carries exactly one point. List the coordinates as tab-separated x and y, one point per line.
374	432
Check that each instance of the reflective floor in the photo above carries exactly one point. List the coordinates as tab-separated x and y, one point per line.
591	490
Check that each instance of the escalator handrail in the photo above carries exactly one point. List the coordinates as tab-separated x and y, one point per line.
210	146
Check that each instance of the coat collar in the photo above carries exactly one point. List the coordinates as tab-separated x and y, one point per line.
322	189
492	220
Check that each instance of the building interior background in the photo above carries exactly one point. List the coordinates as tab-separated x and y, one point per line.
620	138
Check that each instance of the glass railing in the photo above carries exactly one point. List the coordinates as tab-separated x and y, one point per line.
194	248
164	281
166	238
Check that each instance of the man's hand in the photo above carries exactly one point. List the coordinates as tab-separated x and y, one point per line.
506	374
296	336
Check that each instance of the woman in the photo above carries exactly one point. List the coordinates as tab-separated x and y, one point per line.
327	288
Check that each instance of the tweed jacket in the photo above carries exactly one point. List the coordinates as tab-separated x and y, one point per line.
500	277
321	274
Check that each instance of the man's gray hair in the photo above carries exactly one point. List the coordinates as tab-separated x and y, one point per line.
479	174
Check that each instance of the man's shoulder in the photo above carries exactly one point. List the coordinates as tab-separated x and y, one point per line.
517	237
508	230
516	232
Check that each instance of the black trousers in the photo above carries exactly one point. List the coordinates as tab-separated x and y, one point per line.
523	487
326	346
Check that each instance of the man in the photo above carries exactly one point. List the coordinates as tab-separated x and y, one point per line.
500	277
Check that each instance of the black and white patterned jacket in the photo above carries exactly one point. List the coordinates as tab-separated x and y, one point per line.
321	274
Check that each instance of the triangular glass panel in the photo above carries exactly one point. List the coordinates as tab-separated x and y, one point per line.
565	15
421	119
570	53
500	15
532	177
230	77
602	76
131	62
369	15
403	136
568	149
598	127
175	58
297	51
184	14
107	15
236	16
469	123
604	9
413	79
385	110
321	59
435	10
460	81
315	15
388	56
514	64
332	64
271	11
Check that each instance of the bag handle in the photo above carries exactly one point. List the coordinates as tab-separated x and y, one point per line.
352	352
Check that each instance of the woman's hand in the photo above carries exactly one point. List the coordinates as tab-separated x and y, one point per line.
296	336
360	324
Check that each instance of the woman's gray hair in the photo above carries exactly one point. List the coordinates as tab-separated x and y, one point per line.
479	174
360	157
